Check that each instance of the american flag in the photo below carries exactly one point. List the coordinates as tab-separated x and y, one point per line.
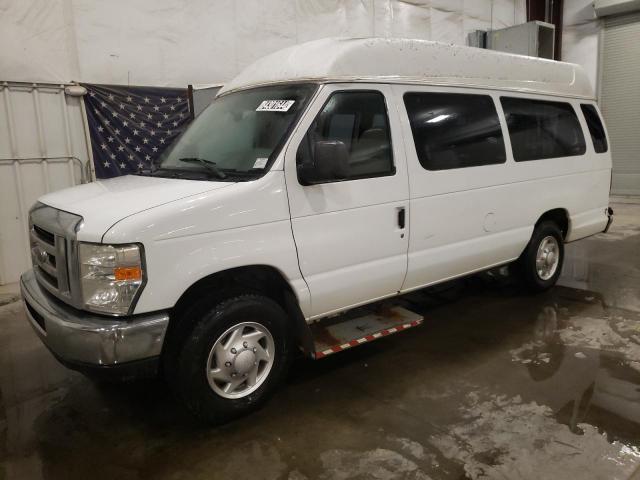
131	126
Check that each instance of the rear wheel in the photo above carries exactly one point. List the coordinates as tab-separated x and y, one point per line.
540	264
231	359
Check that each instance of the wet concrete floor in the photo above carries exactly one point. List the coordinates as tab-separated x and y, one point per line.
496	384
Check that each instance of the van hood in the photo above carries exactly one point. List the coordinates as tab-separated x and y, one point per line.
104	202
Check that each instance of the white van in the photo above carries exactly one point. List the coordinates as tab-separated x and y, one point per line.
325	177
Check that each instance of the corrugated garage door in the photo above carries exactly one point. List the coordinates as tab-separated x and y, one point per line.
620	98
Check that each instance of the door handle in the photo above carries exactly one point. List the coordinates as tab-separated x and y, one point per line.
401	217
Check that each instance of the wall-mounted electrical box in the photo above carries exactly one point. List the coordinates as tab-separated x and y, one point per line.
535	39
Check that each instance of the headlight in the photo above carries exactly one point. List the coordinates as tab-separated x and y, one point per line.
111	276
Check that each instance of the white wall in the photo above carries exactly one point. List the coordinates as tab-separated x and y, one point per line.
37	39
167	43
177	42
580	35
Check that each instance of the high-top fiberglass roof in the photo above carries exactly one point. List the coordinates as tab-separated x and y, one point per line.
398	60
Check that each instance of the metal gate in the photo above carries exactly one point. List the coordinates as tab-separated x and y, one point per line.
43	148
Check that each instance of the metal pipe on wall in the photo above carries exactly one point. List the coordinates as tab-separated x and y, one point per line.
549	11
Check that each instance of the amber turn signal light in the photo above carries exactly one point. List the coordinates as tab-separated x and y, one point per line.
127	273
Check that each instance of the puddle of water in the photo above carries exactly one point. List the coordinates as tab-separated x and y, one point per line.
591	361
608	263
505	437
380	464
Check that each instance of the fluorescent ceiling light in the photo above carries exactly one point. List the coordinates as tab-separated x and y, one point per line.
437	119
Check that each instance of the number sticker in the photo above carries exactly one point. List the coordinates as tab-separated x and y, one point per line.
275	105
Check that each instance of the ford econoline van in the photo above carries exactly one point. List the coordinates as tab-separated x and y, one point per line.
325	178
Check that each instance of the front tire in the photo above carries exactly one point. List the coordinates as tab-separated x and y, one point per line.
541	262
232	358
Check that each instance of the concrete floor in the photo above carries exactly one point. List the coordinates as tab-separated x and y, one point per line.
495	384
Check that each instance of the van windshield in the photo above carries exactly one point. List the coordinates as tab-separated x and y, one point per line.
238	136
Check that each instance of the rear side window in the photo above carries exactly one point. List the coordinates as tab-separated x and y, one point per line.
596	129
357	120
541	129
453	130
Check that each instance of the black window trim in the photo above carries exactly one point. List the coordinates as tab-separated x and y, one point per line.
501	124
601	120
565	100
393	170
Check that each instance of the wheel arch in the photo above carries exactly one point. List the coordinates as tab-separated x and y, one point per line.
262	279
560	216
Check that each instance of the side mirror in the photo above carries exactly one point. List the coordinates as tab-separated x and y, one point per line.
330	162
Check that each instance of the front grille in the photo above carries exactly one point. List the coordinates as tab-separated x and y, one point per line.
52	235
46	249
44	235
51	279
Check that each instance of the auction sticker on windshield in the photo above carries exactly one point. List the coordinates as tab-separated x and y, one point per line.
275	105
260	163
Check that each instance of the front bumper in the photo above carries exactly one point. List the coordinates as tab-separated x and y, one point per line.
82	340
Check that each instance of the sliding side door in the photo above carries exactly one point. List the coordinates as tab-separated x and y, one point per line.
458	166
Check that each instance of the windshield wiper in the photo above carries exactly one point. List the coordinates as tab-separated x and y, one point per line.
208	164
